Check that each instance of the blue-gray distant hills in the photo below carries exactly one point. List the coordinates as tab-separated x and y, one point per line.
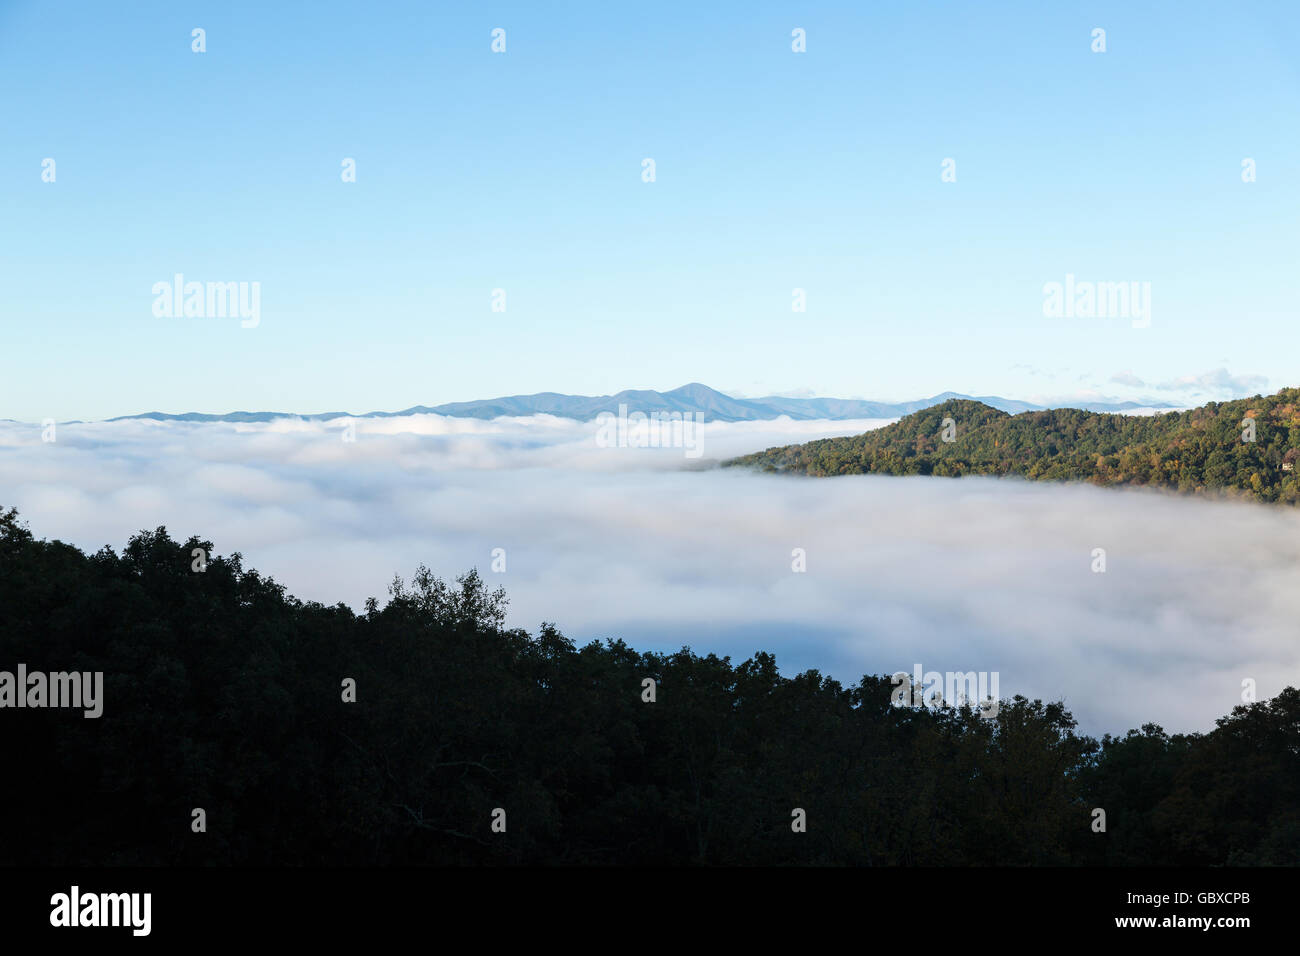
714	405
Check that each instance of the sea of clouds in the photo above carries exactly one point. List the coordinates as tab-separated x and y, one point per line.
662	550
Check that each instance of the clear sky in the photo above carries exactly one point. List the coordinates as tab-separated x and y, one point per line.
522	171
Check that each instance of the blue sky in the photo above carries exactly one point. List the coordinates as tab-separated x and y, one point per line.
522	171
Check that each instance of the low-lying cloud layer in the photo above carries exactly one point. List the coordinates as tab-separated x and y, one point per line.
647	545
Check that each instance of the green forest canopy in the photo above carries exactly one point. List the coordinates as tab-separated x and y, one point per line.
1200	451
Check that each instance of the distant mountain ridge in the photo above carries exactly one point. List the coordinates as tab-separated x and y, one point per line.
712	404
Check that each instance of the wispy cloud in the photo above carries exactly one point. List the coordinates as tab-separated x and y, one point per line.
1219	381
1127	378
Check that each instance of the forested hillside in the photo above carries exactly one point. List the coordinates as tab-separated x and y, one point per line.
222	692
1206	450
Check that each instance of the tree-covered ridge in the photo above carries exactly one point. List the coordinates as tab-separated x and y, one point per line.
1201	450
222	692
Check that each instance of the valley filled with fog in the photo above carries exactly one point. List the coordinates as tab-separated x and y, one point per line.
664	550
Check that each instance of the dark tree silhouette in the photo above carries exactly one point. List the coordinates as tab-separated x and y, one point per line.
222	692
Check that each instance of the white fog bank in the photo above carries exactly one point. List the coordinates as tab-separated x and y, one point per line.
646	545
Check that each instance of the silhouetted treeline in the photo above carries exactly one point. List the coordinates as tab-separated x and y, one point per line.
1245	448
223	693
